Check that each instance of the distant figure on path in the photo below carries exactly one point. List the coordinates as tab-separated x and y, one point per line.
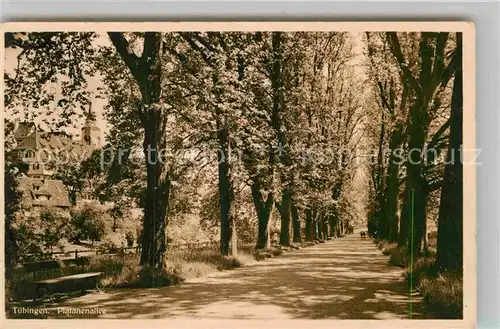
363	235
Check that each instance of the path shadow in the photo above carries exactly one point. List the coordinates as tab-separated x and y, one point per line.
342	279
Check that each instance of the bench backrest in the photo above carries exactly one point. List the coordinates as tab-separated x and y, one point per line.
81	261
41	266
58	264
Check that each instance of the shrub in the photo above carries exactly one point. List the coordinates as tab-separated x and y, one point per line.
37	232
381	244
87	223
389	247
422	267
55	223
125	271
181	270
17	285
399	257
228	262
180	265
275	251
110	265
444	293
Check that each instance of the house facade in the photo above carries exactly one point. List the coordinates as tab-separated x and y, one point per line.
44	151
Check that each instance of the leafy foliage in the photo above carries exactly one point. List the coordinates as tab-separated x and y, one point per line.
87	223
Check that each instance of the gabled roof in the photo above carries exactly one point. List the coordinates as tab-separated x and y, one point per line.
33	187
30	142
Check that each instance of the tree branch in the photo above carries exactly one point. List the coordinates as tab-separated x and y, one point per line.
407	74
194	46
435	138
122	46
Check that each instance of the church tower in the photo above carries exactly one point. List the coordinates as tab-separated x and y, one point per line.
91	134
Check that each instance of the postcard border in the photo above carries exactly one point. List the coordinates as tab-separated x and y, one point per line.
469	170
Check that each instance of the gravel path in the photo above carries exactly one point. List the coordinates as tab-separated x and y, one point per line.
346	278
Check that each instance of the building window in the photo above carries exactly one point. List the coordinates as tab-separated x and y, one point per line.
36	188
36	166
30	154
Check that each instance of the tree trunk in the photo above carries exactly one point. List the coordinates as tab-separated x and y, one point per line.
315	218
331	226
309	224
404	230
334	224
319	226
226	198
415	184
147	71
263	210
425	239
450	225
417	211
380	230
156	204
392	186
285	209
325	227
296	224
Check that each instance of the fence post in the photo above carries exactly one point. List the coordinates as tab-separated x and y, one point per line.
76	254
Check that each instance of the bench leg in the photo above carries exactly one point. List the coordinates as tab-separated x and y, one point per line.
94	282
37	293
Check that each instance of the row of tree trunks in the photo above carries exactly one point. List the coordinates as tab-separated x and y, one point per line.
322	226
432	78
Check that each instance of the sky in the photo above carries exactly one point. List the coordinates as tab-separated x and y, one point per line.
98	104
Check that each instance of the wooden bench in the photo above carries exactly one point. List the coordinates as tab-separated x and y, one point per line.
45	286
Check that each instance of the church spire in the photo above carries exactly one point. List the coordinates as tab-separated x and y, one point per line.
90	115
91	134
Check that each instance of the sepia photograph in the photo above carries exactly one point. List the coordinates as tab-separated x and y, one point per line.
258	171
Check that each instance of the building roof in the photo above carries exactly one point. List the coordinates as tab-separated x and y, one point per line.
54	191
50	144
